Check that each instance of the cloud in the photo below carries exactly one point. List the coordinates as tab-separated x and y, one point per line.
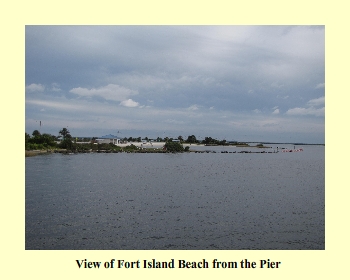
110	92
172	121
306	111
129	103
55	87
195	74
276	85
35	88
315	107
57	105
321	85
317	102
194	107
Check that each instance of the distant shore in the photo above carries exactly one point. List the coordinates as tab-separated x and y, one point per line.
161	144
149	147
157	147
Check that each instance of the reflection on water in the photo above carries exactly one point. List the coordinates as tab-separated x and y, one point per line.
176	201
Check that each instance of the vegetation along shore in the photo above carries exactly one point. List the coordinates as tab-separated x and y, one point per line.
40	144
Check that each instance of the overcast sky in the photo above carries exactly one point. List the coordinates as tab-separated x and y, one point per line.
244	83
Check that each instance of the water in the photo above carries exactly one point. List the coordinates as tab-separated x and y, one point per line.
193	201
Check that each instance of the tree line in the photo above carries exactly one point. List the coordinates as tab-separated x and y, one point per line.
38	141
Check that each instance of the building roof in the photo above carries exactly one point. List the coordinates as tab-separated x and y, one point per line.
109	136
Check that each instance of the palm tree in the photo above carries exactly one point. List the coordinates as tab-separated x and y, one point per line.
65	133
67	138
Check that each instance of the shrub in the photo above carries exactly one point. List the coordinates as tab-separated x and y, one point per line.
174	147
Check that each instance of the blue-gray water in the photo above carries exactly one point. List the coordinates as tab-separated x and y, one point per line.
177	201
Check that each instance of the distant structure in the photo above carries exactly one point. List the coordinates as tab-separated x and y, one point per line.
108	139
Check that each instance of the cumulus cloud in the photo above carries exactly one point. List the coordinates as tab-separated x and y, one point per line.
317	102
276	111
306	111
110	92
315	107
35	88
129	103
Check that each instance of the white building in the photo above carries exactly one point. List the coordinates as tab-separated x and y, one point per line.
108	139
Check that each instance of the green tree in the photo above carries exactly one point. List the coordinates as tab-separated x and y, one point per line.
174	147
65	133
67	142
130	148
36	133
27	139
48	140
191	139
39	141
208	140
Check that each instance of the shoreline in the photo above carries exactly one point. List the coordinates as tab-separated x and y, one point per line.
153	147
142	150
32	153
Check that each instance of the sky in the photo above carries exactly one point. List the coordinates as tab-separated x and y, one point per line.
242	83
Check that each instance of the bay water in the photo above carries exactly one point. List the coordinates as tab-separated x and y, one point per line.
185	201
